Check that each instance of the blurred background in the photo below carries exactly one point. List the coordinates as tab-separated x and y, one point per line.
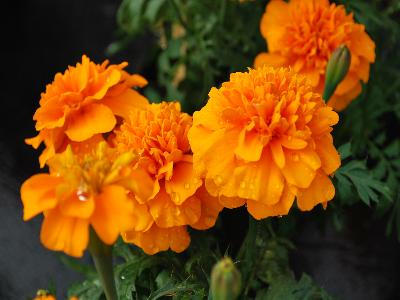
42	38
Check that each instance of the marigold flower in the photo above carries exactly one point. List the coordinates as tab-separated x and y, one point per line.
99	189
303	34
159	133
264	136
83	102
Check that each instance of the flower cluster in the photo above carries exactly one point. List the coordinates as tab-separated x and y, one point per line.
119	165
159	134
137	180
263	139
303	34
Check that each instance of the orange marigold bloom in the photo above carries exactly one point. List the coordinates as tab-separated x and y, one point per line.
83	102
304	33
159	133
98	189
264	137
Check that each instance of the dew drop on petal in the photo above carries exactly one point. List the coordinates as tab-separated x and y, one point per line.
82	195
187	185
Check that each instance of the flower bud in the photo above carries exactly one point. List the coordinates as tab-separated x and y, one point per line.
336	70
225	280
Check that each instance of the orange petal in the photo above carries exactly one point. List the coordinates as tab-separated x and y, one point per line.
321	190
296	171
260	211
277	153
322	121
50	115
113	213
348	83
340	102
361	44
113	76
88	121
167	214
38	194
270	59
210	208
231	202
184	182
249	146
122	104
260	181
158	239
68	234
79	206
328	154
292	142
141	216
273	23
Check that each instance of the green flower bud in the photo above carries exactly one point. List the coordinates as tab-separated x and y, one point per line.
336	70
225	280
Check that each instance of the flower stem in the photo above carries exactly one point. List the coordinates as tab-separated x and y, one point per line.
102	257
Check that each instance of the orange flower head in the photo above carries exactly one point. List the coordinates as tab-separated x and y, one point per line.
304	33
44	295
98	189
265	137
83	102
159	133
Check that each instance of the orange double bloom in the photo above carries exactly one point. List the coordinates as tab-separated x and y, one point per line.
159	133
304	33
83	102
263	139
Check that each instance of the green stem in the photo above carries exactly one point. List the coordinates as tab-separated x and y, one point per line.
250	239
102	257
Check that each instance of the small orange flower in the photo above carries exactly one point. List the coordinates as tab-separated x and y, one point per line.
264	137
83	102
159	133
98	189
44	295
304	33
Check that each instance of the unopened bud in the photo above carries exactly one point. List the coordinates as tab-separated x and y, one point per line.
336	70
225	280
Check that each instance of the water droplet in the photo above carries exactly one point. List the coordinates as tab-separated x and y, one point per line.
296	157
280	216
252	186
122	277
187	185
82	195
243	185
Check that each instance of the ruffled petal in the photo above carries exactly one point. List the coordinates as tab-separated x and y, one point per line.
321	190
262	180
328	154
183	183
167	214
210	208
88	121
122	104
270	59
61	233
38	194
260	211
158	239
113	213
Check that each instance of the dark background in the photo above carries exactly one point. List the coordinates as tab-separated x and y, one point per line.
43	37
